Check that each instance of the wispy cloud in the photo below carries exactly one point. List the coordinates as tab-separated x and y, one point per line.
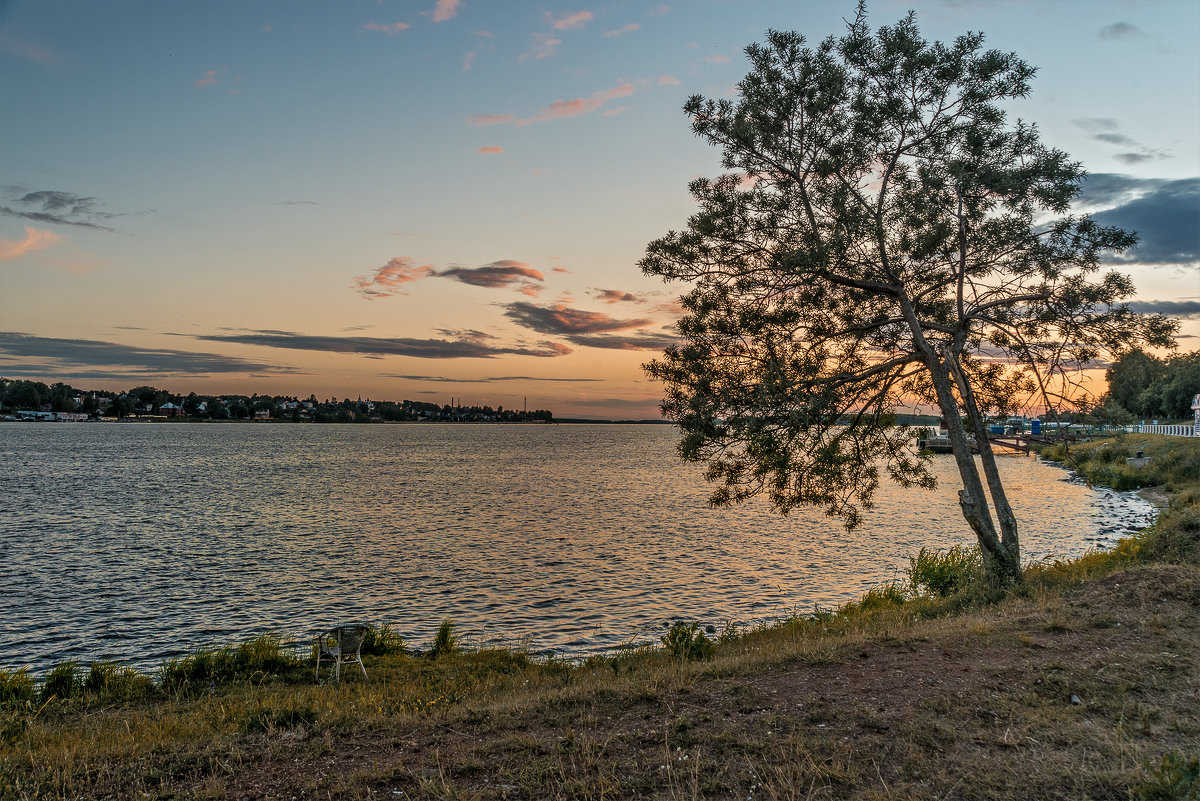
29	51
1107	130
470	348
561	320
57	208
391	29
68	356
719	58
615	296
571	22
34	240
559	109
483	120
624	29
494	379
640	340
496	275
490	150
396	272
544	46
658	11
445	10
666	80
209	79
1121	30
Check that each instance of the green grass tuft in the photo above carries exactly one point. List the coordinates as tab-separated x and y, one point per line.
687	642
445	642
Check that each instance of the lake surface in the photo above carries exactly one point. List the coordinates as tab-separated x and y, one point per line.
136	542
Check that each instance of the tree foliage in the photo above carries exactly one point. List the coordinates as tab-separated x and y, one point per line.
1149	387
886	236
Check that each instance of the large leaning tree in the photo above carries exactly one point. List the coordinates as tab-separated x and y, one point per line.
886	236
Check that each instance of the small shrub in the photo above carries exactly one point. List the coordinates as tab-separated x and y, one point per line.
943	574
1173	778
445	642
687	642
16	686
382	641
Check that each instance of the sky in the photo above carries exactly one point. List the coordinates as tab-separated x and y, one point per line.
445	199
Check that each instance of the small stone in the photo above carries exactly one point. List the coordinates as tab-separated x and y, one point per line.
1075	700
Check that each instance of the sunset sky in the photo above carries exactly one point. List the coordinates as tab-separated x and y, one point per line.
445	198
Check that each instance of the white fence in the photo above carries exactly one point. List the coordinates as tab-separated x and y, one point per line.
1171	431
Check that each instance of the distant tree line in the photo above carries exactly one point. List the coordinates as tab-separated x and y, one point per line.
1142	386
22	395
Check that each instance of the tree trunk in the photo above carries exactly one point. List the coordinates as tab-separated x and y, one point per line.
1007	520
999	560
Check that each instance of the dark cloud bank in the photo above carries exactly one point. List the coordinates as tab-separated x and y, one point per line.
1165	214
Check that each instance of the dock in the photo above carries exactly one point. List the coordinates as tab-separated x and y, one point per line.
1014	443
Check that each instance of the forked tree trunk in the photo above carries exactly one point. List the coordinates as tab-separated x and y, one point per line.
999	557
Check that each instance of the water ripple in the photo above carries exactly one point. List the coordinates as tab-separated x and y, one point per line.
569	538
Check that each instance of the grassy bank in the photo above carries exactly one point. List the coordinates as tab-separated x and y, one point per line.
1081	683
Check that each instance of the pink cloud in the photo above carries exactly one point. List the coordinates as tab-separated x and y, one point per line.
630	28
267	29
497	275
571	22
561	270
659	11
612	112
717	59
560	109
666	80
390	29
545	45
467	59
209	79
489	149
615	296
481	120
445	10
397	271
34	240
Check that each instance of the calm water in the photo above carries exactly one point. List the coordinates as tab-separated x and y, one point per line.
141	541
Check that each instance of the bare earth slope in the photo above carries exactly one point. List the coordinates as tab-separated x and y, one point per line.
1066	696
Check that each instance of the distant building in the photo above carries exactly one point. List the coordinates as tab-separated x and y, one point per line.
171	410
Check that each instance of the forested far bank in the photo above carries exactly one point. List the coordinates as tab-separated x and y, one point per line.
20	396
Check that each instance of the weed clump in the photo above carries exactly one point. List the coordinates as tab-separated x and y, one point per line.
108	681
445	642
62	682
16	687
687	642
945	573
259	659
382	641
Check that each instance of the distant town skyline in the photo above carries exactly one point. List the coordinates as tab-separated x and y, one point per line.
449	197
